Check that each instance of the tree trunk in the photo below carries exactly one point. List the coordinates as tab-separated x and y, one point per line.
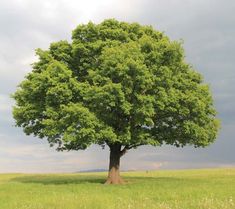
114	164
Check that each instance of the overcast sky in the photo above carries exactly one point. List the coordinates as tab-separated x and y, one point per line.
208	30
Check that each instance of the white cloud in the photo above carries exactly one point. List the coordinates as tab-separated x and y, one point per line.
5	103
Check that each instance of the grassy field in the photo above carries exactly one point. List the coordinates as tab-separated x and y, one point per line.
186	189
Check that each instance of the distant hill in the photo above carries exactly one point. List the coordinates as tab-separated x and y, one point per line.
92	170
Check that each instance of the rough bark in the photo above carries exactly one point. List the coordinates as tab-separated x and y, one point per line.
114	165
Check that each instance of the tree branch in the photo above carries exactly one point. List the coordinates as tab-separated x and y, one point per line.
128	147
123	151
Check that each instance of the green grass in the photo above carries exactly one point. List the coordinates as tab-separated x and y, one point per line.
186	189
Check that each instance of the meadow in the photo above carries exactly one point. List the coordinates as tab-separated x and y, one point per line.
179	189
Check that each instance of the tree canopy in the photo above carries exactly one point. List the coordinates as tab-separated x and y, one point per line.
115	83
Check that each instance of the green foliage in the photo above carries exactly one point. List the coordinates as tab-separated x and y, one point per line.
115	83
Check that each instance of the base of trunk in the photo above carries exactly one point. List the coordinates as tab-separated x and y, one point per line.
114	181
114	176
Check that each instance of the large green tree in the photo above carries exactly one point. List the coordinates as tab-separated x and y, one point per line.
119	85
